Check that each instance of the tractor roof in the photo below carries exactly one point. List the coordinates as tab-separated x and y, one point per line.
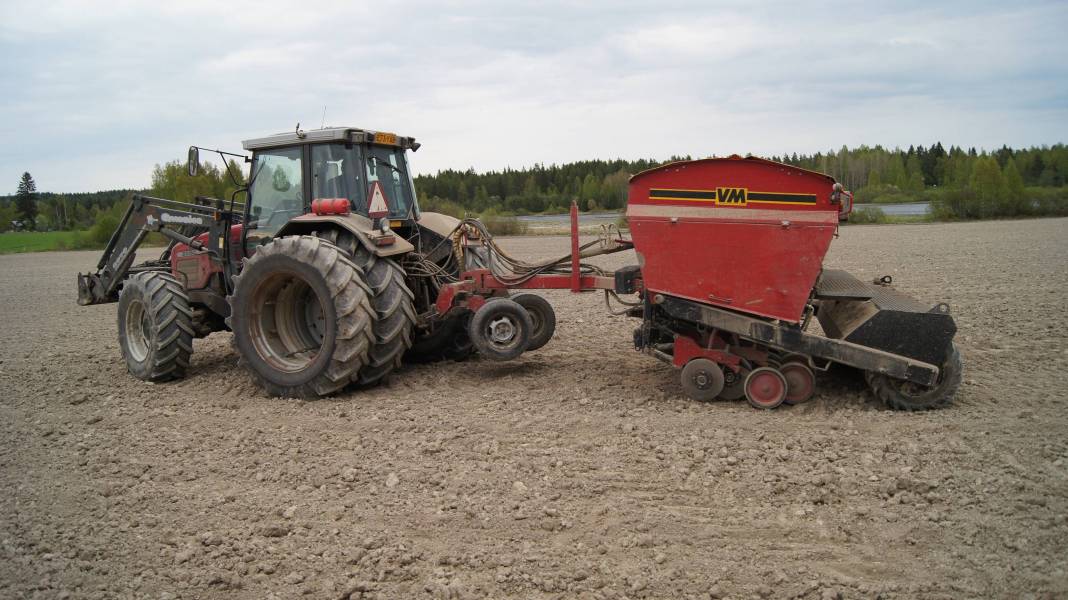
353	135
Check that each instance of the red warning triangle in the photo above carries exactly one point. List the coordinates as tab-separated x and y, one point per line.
378	207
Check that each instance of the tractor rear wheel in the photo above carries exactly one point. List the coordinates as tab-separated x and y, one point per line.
302	317
905	395
155	326
393	304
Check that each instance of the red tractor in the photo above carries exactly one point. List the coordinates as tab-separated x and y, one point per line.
327	274
330	276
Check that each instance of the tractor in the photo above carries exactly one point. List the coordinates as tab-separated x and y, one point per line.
327	273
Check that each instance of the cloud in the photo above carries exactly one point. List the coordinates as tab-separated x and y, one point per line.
95	96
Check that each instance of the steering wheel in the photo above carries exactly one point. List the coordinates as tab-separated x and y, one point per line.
286	210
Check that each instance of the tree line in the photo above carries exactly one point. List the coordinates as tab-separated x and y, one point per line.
959	183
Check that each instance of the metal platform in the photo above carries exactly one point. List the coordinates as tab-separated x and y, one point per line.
834	284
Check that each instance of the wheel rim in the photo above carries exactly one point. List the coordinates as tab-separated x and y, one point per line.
765	388
501	331
800	383
138	331
702	379
288	323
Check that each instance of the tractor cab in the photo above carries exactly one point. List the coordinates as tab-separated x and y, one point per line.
338	170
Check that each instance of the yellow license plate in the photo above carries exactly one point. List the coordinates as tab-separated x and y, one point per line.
386	138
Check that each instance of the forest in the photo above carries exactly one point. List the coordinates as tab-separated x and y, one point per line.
959	184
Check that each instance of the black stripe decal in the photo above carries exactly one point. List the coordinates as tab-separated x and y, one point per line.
683	194
773	197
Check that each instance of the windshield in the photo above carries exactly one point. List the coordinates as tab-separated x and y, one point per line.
386	165
348	172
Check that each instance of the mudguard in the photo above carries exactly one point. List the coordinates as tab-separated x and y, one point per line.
359	225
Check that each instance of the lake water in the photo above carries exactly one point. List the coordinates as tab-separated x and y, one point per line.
911	209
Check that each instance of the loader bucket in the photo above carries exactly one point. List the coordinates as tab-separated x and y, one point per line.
880	317
91	290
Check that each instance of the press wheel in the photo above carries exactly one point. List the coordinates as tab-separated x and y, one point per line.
765	388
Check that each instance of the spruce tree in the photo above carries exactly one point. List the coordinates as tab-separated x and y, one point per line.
26	201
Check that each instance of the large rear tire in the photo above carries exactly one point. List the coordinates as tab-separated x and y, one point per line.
393	304
302	317
904	395
155	326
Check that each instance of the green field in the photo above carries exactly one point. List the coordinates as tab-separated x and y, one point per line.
45	241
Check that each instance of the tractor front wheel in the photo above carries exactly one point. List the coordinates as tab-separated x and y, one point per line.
155	326
302	317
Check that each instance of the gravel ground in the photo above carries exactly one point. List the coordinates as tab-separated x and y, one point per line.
576	471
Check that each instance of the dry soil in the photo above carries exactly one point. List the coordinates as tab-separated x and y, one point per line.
576	471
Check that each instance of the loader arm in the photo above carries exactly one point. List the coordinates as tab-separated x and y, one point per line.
178	221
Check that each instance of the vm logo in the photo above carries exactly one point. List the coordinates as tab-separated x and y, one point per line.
726	196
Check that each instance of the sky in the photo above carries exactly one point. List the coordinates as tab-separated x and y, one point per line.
94	94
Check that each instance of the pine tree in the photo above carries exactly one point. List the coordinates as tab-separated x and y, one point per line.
26	201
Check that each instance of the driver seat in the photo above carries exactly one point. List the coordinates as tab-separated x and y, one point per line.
329	181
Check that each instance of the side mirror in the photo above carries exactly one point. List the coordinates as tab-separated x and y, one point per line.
194	161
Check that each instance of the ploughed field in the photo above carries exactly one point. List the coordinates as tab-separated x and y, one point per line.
579	470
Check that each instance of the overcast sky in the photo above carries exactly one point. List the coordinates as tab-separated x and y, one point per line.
95	93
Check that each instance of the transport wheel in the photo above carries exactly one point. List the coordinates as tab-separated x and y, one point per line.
542	317
905	395
155	326
500	330
302	317
765	388
800	382
393	303
733	384
702	379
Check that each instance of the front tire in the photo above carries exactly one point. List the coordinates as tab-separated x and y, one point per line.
302	317
155	326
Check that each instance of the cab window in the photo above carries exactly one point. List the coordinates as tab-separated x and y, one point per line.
276	194
386	165
337	173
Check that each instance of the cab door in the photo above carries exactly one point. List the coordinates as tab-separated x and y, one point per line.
278	193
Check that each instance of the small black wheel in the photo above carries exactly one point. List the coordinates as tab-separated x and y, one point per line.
542	317
905	395
500	330
702	379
